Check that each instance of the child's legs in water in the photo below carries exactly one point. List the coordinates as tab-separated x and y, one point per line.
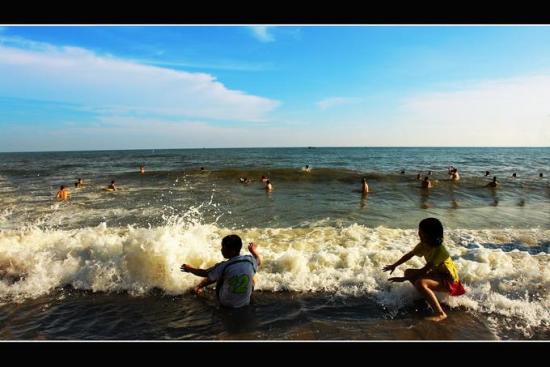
427	285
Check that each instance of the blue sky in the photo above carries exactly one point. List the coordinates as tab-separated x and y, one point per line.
131	87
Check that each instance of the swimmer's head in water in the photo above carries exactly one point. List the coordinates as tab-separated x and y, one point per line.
514	175
541	175
494	178
231	246
430	231
487	173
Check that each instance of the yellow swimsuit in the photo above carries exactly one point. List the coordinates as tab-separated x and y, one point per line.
439	257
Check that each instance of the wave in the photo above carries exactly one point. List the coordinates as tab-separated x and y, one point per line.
294	175
509	283
325	174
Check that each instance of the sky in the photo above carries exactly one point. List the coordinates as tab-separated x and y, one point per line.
144	87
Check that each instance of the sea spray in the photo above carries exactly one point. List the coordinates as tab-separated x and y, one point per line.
345	261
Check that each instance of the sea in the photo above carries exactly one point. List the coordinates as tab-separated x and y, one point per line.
106	265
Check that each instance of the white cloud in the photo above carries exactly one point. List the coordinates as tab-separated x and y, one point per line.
336	101
513	111
219	65
75	75
261	33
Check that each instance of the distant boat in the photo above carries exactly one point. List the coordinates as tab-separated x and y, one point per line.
310	147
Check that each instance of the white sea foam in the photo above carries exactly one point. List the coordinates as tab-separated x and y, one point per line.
512	285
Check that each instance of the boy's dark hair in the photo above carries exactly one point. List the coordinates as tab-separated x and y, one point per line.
433	229
232	242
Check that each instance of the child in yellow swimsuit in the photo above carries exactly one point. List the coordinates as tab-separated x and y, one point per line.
440	272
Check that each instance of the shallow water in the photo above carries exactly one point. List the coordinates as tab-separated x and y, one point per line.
82	316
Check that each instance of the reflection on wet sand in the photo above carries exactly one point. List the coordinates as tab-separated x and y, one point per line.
424	197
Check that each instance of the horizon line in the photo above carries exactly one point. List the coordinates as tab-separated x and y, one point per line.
274	147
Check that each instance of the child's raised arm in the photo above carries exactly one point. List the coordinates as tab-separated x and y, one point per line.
257	256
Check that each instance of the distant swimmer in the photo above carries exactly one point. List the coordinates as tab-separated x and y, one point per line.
364	186
487	173
451	169
429	173
418	176
142	169
268	186
79	183
307	168
63	193
264	179
402	171
202	168
541	175
244	180
454	175
514	175
112	187
427	184
493	183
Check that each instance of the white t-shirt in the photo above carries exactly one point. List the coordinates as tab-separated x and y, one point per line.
235	280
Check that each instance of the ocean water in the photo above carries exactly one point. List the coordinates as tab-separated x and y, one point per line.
106	265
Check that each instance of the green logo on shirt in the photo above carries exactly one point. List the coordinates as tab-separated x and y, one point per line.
239	284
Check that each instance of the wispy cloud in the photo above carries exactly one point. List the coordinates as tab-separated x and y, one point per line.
513	111
262	34
220	65
336	101
135	133
74	75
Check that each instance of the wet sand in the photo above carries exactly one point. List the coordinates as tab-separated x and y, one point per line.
77	315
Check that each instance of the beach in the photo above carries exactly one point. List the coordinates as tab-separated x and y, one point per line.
105	265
